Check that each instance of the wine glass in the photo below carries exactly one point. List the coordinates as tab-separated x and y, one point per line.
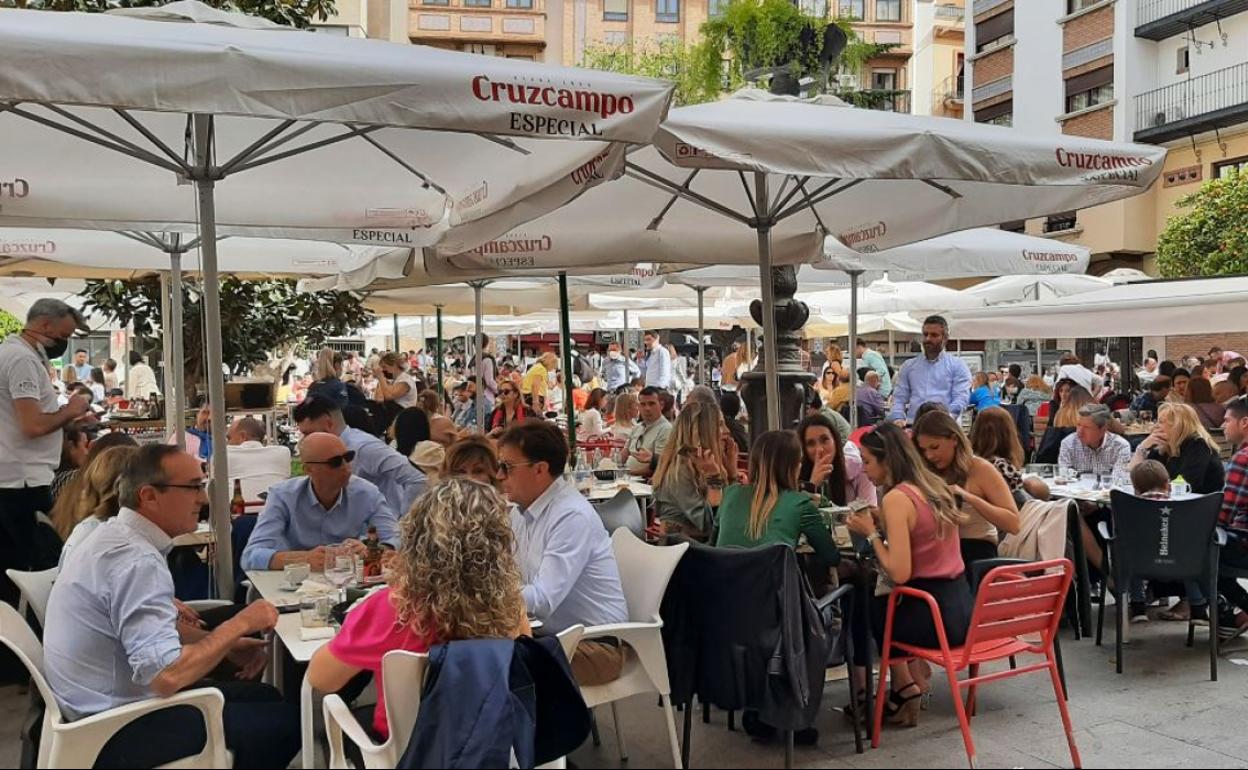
340	568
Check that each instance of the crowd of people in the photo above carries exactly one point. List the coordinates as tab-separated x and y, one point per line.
483	528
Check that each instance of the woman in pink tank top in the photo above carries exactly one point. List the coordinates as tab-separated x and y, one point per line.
920	519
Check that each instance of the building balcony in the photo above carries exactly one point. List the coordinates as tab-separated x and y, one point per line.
994	89
1160	19
952	90
1215	100
429	23
948	13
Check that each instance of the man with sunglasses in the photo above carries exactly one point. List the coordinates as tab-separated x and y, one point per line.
30	431
328	505
113	635
375	461
566	563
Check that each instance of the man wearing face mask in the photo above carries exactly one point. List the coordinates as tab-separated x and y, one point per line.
617	370
30	430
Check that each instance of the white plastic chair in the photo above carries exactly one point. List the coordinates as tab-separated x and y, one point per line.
644	572
77	744
402	680
35	588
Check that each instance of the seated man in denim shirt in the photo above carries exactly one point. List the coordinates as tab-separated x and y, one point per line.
329	505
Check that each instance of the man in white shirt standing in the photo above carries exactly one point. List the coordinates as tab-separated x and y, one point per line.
31	422
140	379
257	466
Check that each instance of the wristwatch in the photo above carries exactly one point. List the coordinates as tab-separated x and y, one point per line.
874	536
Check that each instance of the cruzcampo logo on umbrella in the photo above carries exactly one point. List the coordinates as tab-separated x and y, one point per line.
544	94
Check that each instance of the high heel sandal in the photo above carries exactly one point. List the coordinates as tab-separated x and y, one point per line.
904	709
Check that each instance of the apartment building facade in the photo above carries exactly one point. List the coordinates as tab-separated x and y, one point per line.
936	67
1167	72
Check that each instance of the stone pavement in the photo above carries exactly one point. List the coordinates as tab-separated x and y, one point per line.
1161	712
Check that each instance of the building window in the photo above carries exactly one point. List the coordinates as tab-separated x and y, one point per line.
667	10
888	10
1057	223
1075	6
526	5
1090	89
1226	168
435	2
615	10
718	7
816	8
481	49
478	3
995	33
850	9
1183	61
1089	98
1017	226
997	115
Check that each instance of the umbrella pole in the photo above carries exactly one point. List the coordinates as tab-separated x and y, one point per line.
424	340
437	351
770	363
627	356
165	353
220	487
853	342
177	358
701	290
891	349
476	297
397	344
1039	357
565	343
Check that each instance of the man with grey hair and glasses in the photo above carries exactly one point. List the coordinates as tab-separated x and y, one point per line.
1092	448
113	635
31	422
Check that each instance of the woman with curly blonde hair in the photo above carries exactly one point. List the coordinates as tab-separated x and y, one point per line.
454	577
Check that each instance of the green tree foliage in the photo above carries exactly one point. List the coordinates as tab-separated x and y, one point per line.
292	13
9	324
257	317
747	36
1211	236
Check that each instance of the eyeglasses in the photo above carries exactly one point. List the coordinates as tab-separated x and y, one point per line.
504	468
506	392
333	462
198	485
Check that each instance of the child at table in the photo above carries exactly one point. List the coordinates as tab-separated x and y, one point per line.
1151	480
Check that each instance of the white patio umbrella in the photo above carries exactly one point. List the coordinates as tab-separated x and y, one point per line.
1170	307
1023	288
886	296
790	171
188	106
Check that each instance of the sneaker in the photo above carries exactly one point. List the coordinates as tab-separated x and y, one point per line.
1229	626
1138	612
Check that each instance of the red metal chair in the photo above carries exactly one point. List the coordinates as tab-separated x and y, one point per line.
1012	602
1043	409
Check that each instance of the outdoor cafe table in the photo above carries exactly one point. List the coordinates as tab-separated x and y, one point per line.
603	491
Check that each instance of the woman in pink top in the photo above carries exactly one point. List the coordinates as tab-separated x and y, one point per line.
454	577
921	517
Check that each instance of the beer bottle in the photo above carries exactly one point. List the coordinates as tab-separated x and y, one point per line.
238	506
372	559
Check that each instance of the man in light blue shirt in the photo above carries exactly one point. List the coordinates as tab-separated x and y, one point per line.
113	635
329	505
658	363
935	376
617	369
565	557
872	358
375	461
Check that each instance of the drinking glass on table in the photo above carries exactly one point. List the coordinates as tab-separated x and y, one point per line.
340	567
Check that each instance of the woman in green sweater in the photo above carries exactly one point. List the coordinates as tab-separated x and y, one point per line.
772	509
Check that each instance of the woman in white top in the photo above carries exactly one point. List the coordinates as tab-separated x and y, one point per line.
681	382
91	499
590	422
394	383
626	411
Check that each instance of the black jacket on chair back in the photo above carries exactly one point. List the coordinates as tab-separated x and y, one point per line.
741	631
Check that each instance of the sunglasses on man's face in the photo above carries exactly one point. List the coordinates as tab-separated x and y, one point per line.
333	462
505	468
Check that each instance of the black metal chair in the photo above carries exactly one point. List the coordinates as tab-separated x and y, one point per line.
1172	540
622	511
